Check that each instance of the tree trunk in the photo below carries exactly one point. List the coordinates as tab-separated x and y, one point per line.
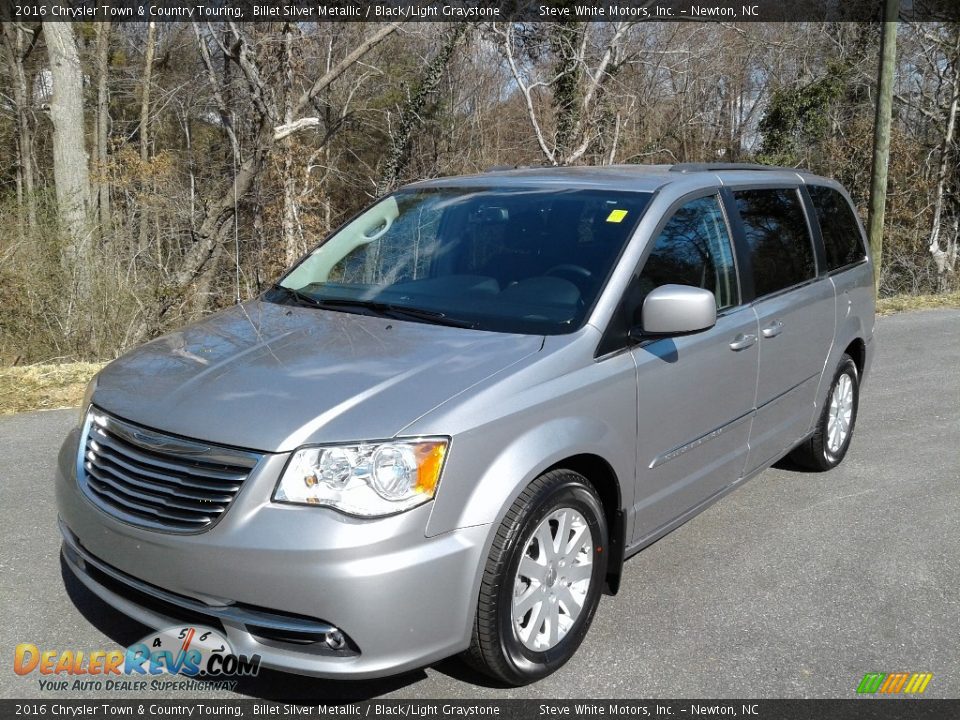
881	135
70	170
145	91
290	224
219	214
144	130
103	125
13	37
203	294
567	43
292	242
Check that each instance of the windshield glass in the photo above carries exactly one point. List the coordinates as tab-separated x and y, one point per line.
524	260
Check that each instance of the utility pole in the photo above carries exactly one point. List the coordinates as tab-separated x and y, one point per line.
881	134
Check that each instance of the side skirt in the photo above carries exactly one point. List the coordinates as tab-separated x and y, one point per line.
665	530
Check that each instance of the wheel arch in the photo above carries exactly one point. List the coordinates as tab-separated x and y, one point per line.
849	339
592	447
857	349
601	475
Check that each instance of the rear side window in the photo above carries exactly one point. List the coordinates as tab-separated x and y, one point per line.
694	249
838	225
778	240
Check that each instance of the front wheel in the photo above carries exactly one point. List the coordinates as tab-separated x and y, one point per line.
828	445
542	582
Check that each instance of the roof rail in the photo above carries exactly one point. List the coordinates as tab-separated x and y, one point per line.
522	166
704	167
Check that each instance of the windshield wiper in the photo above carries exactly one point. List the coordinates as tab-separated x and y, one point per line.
380	308
392	310
432	316
301	298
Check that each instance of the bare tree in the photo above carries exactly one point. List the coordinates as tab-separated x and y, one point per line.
145	91
70	169
946	259
101	136
270	128
218	160
19	43
410	117
575	85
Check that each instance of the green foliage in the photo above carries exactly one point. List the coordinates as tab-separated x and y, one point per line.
800	116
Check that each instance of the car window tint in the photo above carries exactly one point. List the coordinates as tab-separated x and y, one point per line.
838	225
694	249
524	259
777	238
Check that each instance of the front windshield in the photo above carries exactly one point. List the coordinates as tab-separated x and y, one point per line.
524	260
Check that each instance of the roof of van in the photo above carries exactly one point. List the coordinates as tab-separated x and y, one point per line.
627	177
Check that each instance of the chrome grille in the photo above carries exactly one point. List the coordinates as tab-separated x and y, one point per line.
155	480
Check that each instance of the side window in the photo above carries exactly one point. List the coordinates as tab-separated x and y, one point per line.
694	249
838	225
777	237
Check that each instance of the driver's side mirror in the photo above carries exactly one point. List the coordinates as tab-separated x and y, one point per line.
675	310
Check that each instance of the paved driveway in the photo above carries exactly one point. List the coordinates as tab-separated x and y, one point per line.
795	585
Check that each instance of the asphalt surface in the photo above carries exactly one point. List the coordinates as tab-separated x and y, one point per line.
793	586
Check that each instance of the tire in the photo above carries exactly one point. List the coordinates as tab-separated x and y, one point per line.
821	450
517	648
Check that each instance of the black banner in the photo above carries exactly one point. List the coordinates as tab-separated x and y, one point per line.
471	10
854	709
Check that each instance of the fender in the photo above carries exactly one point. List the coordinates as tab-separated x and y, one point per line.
517	462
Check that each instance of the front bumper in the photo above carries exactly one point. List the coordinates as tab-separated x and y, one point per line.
402	599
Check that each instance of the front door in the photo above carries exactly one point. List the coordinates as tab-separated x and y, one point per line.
696	392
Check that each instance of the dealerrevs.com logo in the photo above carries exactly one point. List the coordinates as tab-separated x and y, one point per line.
894	683
191	651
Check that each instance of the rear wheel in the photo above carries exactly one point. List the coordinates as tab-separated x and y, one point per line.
828	445
542	582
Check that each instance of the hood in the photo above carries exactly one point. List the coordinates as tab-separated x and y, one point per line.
272	377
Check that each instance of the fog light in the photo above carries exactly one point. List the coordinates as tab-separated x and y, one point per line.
335	640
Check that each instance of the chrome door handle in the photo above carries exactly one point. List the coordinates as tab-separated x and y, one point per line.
742	342
773	329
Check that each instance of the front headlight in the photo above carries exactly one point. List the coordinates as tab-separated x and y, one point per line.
87	398
367	479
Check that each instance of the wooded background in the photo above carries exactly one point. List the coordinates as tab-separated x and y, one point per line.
150	173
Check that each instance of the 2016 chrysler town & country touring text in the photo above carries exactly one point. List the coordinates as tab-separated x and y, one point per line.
447	426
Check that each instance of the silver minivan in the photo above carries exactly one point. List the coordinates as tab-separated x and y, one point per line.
445	429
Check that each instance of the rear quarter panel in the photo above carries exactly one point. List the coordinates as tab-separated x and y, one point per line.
855	304
856	313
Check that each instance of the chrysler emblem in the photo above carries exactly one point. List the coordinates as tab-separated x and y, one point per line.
169	444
